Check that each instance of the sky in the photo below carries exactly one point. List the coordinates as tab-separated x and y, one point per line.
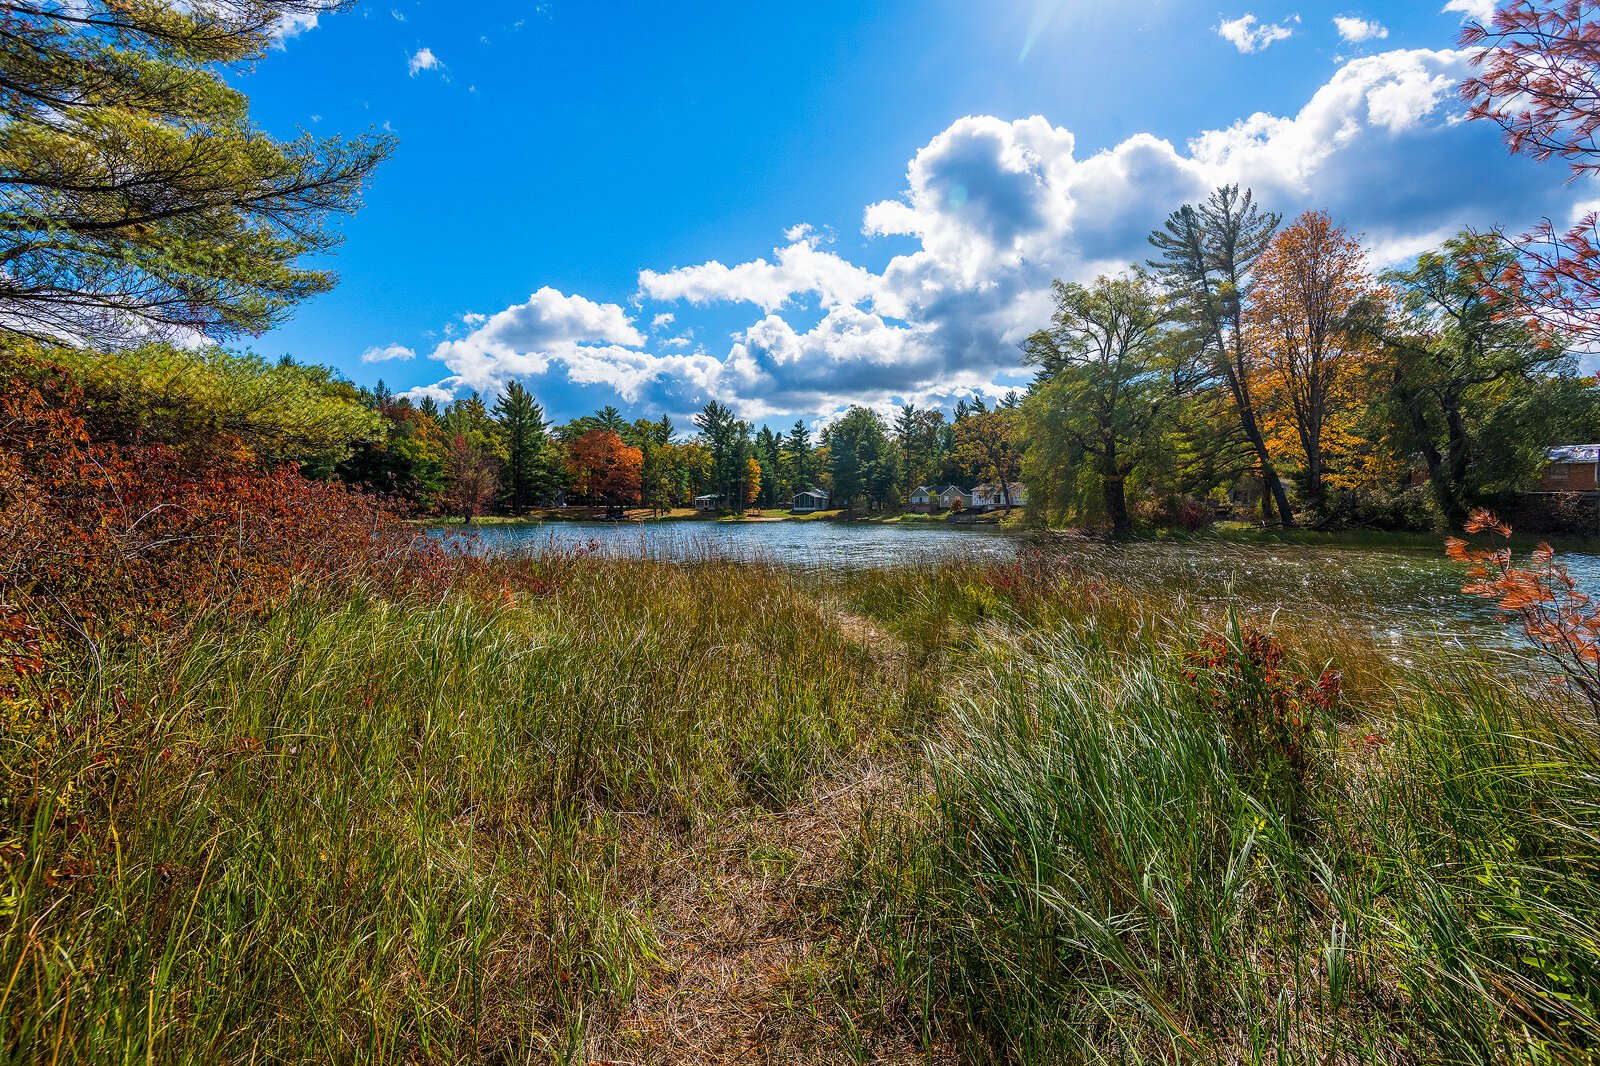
792	208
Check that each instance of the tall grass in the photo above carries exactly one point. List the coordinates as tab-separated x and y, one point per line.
397	831
1099	875
462	825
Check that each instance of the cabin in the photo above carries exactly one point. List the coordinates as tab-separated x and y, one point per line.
711	501
993	497
924	499
1571	468
810	501
954	498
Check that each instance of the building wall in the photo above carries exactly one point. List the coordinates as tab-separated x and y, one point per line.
1569	477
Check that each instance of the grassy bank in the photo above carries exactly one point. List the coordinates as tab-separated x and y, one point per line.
575	809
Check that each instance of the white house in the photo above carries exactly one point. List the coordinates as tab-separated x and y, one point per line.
810	501
992	497
711	501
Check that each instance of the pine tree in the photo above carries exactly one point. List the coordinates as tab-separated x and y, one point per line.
1207	256
138	199
521	426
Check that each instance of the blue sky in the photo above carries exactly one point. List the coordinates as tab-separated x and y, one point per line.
792	207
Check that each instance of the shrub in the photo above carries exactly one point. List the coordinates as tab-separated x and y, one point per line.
1183	513
102	540
1273	716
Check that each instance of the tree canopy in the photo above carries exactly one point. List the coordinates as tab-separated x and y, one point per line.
138	200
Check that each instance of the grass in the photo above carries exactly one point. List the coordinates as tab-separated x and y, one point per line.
579	809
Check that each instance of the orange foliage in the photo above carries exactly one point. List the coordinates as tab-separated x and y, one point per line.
104	540
1542	597
752	481
1538	78
1308	281
604	467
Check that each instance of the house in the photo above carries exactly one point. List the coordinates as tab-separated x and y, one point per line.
711	501
924	499
1572	468
954	498
810	501
992	496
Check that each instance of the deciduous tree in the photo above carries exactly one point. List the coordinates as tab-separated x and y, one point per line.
604	467
1099	389
1309	282
991	445
1538	77
1454	364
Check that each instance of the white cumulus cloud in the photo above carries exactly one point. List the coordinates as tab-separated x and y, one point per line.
387	353
1357	30
423	59
1249	34
1474	10
800	267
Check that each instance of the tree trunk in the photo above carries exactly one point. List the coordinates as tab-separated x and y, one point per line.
1269	473
1240	387
1455	465
1114	488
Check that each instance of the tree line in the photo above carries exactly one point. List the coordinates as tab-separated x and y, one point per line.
1251	364
468	457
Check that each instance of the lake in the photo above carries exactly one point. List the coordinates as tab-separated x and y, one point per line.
1401	592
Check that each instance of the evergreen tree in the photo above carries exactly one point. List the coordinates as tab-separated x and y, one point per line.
797	457
520	423
139	199
1207	254
862	458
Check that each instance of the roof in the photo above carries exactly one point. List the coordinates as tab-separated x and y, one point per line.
1575	453
926	490
954	488
811	492
708	496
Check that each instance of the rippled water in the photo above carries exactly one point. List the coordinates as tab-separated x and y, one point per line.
806	544
1401	592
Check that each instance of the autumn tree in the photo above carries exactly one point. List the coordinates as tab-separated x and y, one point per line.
1207	254
472	459
137	198
1459	372
1099	388
1537	76
991	445
602	466
751	487
471	475
1309	283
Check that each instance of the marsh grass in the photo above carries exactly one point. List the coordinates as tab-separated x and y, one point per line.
397	831
1097	872
571	808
